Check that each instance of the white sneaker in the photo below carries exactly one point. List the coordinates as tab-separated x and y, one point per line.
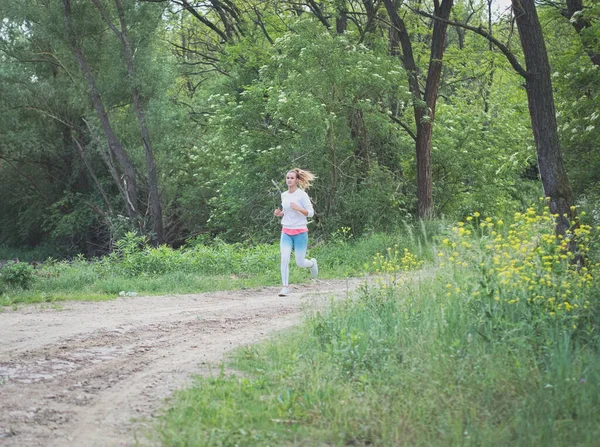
314	270
284	291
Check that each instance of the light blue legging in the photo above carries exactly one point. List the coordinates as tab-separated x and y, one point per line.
299	243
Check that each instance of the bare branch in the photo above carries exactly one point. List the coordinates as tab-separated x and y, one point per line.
478	30
189	8
401	124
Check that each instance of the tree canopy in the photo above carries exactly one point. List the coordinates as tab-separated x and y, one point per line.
175	118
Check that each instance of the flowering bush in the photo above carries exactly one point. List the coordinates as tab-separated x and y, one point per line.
391	263
389	266
523	272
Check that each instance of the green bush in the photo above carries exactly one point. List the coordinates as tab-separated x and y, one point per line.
519	277
17	274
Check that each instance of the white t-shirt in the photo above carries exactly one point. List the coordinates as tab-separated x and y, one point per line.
293	219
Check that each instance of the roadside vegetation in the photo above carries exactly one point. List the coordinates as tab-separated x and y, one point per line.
497	344
136	267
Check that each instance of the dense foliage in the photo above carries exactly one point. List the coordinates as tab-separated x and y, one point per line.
232	98
129	123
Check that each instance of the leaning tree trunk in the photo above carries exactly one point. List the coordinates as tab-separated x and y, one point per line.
155	205
425	128
114	144
122	34
543	116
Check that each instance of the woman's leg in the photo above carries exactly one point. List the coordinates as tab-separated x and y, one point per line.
285	246
300	247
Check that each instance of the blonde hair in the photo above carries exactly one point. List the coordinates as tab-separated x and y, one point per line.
305	178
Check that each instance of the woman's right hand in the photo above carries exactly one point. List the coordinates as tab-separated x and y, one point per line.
278	212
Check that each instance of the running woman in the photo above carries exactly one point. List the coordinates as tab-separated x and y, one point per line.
294	233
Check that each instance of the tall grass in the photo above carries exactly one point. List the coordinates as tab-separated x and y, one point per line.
421	359
135	266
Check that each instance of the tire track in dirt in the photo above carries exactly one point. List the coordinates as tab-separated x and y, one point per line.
94	374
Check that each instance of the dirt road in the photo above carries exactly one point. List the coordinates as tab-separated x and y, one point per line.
93	374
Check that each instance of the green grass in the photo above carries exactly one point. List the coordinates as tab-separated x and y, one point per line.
109	288
475	352
394	367
158	271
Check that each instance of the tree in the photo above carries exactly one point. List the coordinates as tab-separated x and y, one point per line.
198	105
576	88
540	97
540	100
128	184
423	104
123	35
316	94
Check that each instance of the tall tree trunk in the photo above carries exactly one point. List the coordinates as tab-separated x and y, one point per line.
139	111
333	161
424	110
487	87
358	133
371	12
341	21
425	128
543	116
114	144
92	174
122	34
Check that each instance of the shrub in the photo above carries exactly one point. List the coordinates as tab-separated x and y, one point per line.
17	274
524	275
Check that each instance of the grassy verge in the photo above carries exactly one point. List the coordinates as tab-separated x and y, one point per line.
76	286
401	368
135	267
482	353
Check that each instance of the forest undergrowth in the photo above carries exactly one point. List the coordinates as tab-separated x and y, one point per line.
135	267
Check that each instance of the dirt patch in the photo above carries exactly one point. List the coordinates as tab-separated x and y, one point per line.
94	374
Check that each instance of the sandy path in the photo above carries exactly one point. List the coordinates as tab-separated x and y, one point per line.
93	374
